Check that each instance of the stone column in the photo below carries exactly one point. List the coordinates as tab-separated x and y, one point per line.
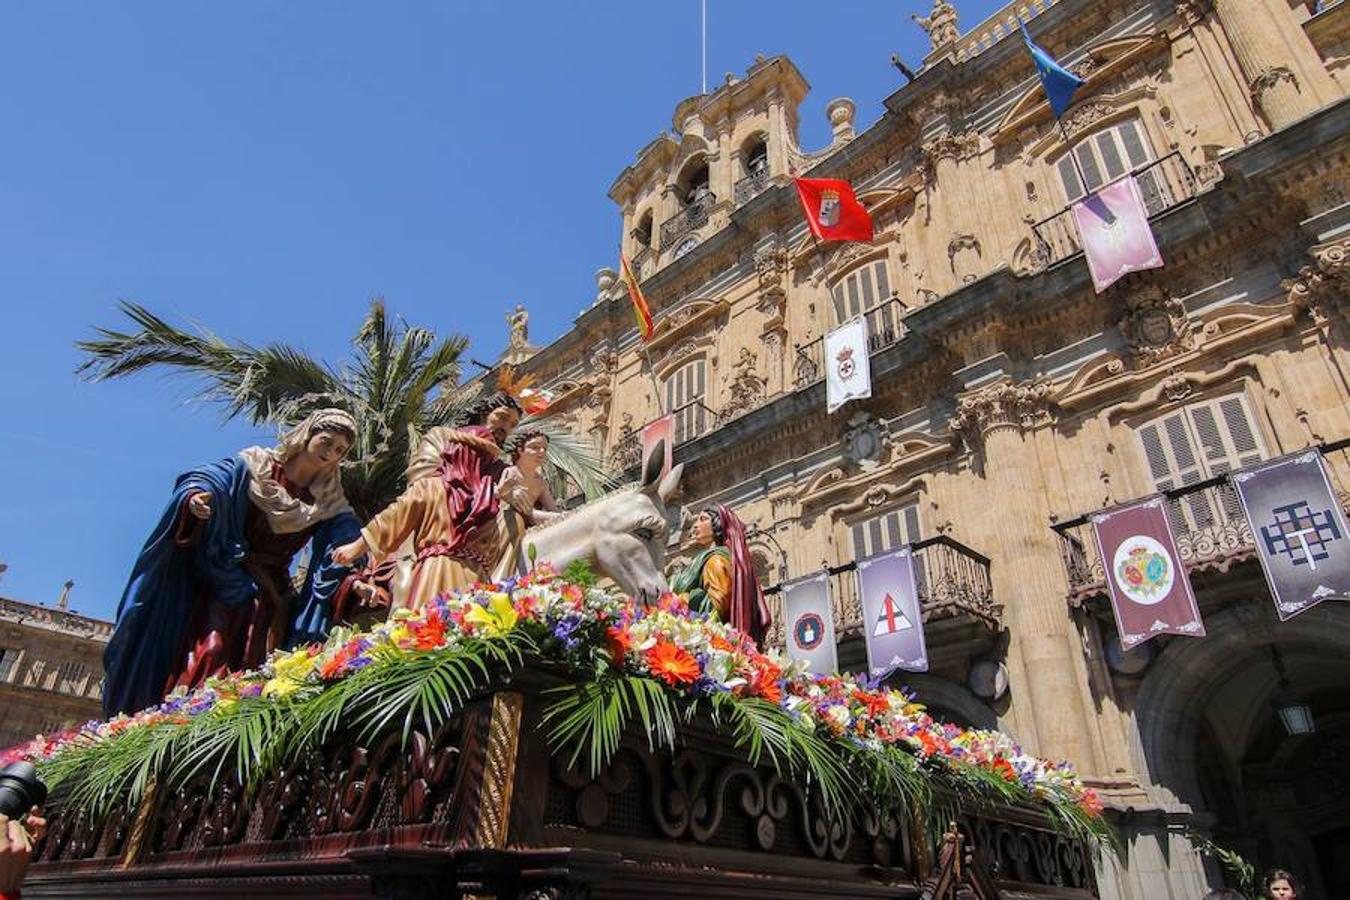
778	136
1272	62
1027	573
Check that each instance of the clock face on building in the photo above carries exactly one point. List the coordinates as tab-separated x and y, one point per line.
685	246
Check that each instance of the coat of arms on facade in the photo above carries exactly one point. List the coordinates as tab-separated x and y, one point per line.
1155	326
829	208
844	364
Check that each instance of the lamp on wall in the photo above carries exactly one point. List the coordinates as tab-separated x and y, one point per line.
1295	715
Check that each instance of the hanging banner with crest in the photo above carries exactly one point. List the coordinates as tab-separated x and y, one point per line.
1150	593
892	620
1299	529
848	370
808	617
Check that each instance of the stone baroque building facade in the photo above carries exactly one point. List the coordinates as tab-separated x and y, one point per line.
1010	400
51	669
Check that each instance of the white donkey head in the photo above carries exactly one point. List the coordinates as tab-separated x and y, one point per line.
623	534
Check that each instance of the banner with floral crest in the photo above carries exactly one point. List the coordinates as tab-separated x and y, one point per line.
1150	592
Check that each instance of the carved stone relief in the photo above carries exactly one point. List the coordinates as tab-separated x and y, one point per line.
746	389
1007	404
1155	325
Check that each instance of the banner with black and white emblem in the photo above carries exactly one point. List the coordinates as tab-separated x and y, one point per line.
848	371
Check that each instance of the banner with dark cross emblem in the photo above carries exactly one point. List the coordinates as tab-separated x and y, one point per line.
809	619
1299	529
1150	593
892	620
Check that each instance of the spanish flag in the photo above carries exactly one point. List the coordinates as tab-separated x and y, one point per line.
640	307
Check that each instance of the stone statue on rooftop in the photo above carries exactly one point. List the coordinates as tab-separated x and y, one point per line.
940	24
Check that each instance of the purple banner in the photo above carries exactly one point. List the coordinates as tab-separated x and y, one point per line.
1299	529
1150	592
1113	225
808	617
892	621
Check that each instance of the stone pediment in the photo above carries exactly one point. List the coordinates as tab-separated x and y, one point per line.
688	327
1102	63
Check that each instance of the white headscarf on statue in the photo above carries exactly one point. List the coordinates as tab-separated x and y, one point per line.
287	514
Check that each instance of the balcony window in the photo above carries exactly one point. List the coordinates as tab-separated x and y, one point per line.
866	291
685	390
9	657
889	531
1196	443
1109	154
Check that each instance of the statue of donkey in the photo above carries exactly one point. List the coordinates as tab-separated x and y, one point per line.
622	535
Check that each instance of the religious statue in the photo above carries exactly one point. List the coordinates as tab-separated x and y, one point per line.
450	506
519	322
940	24
528	502
720	580
211	590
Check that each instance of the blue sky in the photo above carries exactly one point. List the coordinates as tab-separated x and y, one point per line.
267	168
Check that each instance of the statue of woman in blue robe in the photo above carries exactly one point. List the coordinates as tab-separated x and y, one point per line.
211	591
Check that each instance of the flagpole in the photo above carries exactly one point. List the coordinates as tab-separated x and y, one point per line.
703	38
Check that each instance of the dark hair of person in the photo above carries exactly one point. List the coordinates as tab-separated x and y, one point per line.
479	412
719	533
520	440
1224	894
1275	875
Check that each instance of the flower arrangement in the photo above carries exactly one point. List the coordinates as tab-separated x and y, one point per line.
846	736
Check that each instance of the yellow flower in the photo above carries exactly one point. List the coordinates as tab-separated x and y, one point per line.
226	704
295	665
495	619
280	687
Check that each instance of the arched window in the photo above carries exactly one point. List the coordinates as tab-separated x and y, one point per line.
685	389
865	292
643	232
693	182
755	155
1109	154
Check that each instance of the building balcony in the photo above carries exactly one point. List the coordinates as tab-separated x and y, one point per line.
692	420
1211	531
883	329
751	186
691	218
961	620
1165	183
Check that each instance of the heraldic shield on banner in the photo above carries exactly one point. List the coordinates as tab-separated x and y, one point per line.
809	621
1299	529
1150	593
892	620
848	370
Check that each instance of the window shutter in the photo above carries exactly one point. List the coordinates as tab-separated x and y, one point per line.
1134	144
1111	161
1073	188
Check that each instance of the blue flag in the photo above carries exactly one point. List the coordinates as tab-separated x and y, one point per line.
1059	82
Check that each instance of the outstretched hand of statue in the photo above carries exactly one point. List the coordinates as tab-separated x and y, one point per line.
349	553
199	504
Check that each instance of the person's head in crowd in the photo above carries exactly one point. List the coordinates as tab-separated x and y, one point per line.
1281	885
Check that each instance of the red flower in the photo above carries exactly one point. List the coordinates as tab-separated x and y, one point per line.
1004	768
429	634
876	703
672	664
620	642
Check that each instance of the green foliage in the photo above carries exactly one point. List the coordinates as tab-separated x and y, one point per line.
400	381
579	571
1244	873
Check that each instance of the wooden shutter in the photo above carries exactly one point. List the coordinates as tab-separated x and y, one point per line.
1196	443
688	384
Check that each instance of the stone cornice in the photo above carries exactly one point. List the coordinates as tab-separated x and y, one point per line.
55	620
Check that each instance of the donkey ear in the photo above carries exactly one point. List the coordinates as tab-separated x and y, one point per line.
651	466
668	484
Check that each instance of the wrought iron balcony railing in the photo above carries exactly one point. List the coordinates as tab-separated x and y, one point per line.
693	419
691	218
884	328
1165	183
1207	521
751	185
952	580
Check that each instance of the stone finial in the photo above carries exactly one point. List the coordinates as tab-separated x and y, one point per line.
604	280
940	25
841	111
63	602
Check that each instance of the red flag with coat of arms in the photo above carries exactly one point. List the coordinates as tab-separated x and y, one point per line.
832	210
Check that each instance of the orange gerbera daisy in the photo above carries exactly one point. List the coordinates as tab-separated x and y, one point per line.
672	664
429	635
